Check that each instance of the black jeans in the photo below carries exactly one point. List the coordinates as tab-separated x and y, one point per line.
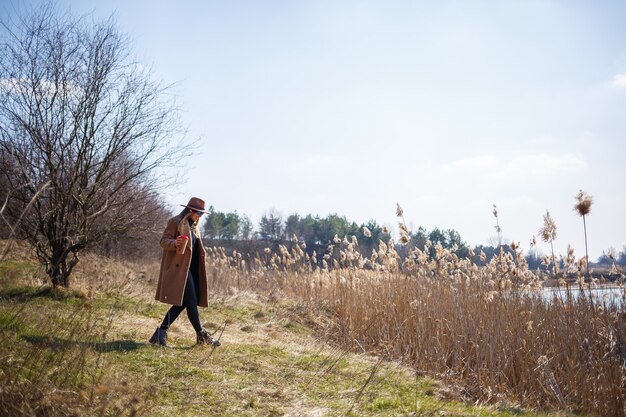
190	302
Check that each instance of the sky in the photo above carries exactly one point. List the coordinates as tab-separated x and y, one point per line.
352	107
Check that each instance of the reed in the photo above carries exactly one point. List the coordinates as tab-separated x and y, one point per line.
583	208
488	329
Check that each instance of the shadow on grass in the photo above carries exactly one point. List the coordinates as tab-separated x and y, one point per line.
57	343
118	346
30	293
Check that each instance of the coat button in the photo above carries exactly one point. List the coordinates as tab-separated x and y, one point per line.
176	265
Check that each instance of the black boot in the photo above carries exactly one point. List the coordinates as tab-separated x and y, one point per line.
159	338
203	337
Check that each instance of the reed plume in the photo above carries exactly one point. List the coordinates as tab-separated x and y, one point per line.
583	207
548	234
497	226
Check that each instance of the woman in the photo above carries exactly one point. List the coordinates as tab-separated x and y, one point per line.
182	278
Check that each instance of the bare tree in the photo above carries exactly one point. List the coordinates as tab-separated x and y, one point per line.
141	240
78	114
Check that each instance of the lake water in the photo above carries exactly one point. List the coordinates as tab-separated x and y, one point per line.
601	295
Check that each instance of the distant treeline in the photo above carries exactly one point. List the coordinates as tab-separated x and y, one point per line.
237	232
317	232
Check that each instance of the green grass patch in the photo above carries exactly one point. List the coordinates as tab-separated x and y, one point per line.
26	293
17	267
10	321
284	374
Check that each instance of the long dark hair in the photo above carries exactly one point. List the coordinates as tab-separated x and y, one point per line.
194	228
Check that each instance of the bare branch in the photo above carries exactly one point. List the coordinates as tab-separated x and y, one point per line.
78	114
7	248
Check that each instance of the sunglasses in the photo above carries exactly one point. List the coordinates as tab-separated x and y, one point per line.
199	213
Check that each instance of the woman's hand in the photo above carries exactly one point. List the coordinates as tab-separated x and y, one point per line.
180	242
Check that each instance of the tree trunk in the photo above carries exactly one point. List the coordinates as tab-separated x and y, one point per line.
60	269
58	278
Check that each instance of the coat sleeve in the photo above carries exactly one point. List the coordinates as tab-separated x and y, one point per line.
168	239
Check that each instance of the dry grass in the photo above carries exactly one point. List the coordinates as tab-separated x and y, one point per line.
84	352
52	359
487	329
53	365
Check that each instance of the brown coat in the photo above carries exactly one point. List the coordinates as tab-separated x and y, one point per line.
174	266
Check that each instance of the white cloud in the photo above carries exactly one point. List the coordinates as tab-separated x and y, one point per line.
540	165
619	80
519	167
427	199
475	163
44	87
321	162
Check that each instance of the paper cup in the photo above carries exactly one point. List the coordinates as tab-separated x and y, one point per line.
181	250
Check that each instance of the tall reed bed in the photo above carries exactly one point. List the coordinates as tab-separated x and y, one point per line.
489	330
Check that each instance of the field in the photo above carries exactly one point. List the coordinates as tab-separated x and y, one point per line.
443	338
487	329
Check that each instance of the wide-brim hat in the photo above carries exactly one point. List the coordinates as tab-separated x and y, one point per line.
196	204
